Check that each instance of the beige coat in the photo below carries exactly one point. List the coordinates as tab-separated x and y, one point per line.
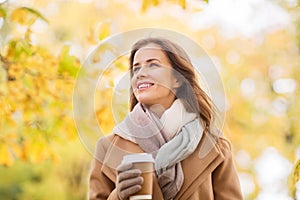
210	177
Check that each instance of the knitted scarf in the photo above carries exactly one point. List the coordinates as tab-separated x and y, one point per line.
170	139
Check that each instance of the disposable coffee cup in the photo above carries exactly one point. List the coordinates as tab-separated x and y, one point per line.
145	163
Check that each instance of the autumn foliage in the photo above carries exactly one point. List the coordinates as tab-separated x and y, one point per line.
38	72
34	96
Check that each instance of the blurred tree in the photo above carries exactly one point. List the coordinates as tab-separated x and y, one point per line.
36	85
35	90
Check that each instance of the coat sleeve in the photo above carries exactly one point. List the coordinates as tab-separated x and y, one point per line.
225	179
101	187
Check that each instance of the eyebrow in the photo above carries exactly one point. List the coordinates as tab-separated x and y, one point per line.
147	61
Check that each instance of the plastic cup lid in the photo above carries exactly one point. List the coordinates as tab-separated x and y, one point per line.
138	157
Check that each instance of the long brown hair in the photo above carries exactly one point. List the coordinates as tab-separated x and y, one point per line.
196	100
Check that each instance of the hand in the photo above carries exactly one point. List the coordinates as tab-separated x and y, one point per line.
129	180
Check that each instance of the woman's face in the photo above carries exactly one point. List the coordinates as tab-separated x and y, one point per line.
153	82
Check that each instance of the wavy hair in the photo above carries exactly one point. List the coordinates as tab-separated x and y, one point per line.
196	100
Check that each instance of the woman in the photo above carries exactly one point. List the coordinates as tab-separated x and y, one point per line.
173	119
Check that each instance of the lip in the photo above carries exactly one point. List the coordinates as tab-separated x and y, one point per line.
144	85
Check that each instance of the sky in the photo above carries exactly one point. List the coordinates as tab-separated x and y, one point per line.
247	18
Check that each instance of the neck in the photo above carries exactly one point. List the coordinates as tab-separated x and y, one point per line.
157	109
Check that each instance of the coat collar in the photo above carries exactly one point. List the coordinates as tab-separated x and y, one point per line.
204	160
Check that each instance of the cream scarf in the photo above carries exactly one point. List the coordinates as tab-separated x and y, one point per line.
170	139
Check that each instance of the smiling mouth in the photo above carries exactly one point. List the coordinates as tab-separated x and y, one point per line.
144	86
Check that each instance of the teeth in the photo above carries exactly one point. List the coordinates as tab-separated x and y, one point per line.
144	85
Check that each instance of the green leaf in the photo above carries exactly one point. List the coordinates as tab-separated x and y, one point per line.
36	13
3	13
68	64
3	80
16	48
27	82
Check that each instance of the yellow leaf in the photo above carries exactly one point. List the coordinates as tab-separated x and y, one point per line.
182	3
26	16
100	52
6	158
19	15
297	172
148	3
36	152
54	156
3	80
17	150
103	30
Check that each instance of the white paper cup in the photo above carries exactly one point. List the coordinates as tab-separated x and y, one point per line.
145	163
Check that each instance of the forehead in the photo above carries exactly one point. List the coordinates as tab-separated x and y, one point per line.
150	51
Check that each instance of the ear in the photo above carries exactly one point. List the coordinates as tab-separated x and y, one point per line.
177	83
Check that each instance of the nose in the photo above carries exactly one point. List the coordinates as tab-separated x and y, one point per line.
142	72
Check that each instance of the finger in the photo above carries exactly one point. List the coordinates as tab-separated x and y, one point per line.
124	194
124	167
131	182
130	174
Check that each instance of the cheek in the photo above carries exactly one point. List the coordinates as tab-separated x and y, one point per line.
133	82
133	85
166	80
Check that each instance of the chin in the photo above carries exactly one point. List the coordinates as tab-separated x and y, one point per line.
145	100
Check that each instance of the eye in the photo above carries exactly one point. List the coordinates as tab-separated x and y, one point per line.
154	65
136	69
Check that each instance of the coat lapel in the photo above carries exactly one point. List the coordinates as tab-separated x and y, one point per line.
199	165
